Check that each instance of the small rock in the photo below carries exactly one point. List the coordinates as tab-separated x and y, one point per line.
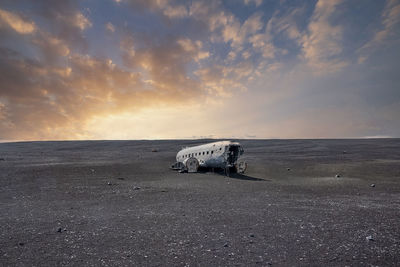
226	245
21	244
121	178
59	230
369	238
288	169
344	152
136	188
92	170
163	191
251	235
154	150
109	183
2	159
372	185
337	175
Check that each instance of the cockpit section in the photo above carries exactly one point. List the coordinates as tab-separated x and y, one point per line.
233	152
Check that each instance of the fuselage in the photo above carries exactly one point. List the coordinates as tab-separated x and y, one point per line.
214	155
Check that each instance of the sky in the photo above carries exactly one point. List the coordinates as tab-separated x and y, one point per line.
171	69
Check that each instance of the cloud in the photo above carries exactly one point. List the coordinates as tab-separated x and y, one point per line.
57	95
40	101
110	27
390	19
150	4
223	80
65	21
77	20
256	2
16	22
51	47
287	22
251	26
76	88
165	62
263	43
224	25
176	12
322	44
168	59
166	8
194	48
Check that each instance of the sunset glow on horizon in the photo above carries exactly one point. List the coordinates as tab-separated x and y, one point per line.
171	69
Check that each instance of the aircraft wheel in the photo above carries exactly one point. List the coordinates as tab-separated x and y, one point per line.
192	165
241	167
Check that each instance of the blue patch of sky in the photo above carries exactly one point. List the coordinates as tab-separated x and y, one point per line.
380	83
242	12
126	21
101	42
359	20
17	42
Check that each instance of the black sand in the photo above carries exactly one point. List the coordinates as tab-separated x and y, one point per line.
117	203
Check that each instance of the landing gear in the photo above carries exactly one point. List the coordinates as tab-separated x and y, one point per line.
177	166
241	167
189	165
226	171
192	165
229	170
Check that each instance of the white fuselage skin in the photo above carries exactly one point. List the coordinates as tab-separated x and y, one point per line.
213	155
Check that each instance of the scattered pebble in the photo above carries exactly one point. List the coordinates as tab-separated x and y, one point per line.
154	150
59	230
372	185
251	235
92	170
344	152
337	175
163	191
21	243
226	245
121	178
288	169
136	188
370	238
2	159
109	183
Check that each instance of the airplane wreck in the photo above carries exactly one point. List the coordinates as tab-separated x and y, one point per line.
221	155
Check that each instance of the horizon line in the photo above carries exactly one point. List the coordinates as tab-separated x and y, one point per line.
193	139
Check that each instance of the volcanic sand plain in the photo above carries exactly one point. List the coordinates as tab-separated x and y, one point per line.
117	203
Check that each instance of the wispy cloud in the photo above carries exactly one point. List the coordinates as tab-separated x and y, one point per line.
255	2
390	20
16	22
110	27
322	44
